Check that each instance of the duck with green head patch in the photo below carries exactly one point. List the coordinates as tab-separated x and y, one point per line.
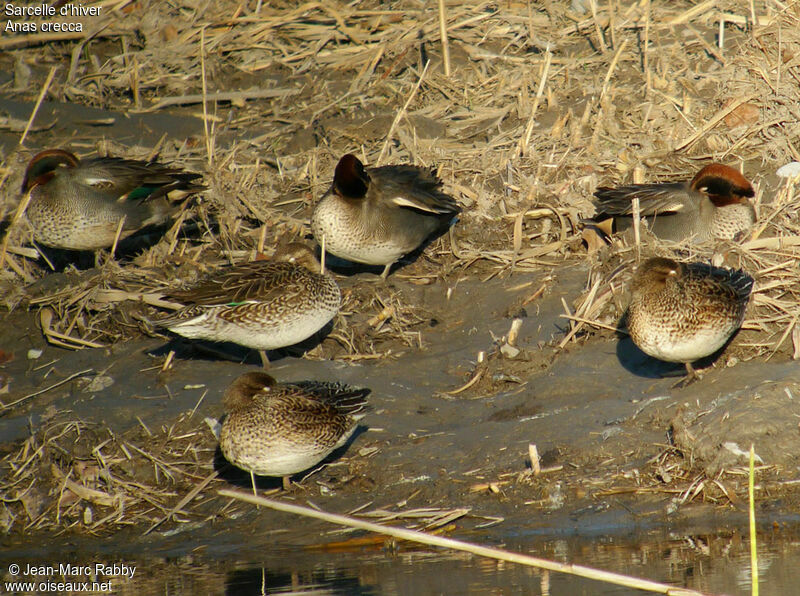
80	204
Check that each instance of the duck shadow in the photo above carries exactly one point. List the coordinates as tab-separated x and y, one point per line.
241	478
640	364
203	350
347	268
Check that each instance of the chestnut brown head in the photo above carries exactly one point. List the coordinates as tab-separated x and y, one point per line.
723	185
41	167
350	179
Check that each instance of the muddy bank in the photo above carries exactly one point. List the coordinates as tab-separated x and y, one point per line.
615	439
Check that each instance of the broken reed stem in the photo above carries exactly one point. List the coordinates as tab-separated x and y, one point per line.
753	549
189	496
611	68
459	545
693	12
117	235
443	34
401	113
526	139
205	92
606	86
262	238
322	256
594	323
475	378
220	96
168	361
598	30
713	122
134	76
46	389
779	54
784	199
536	461
636	222
23	204
645	50
39	99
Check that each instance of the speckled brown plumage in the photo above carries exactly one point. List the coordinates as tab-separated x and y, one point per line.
280	429
263	305
714	204
377	215
683	312
79	204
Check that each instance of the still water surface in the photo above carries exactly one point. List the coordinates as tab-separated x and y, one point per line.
713	564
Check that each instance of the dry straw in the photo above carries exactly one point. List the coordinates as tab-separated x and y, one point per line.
42	93
583	98
566	132
752	511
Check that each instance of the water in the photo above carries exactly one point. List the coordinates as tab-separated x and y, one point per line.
713	564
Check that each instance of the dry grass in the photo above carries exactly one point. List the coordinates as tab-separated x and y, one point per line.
70	474
541	105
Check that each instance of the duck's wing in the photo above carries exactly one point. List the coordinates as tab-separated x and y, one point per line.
411	186
345	398
128	178
653	199
303	417
261	281
732	284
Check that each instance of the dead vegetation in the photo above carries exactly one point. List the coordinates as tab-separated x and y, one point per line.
72	474
541	104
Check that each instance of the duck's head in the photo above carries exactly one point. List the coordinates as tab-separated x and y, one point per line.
350	179
42	166
244	388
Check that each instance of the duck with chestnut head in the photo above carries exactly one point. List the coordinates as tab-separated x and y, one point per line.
377	215
81	204
712	205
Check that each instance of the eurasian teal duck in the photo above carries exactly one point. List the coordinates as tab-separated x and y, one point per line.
78	204
263	305
683	312
376	215
280	429
713	205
